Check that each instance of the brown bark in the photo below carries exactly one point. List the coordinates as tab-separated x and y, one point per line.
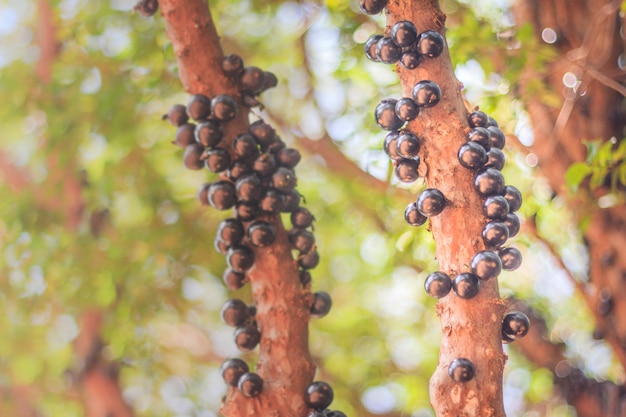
470	328
282	305
588	45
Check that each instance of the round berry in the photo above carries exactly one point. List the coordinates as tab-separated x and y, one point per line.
430	44
389	146
192	157
495	159
309	260
486	265
274	147
335	413
305	280
403	33
515	325
489	181
240	258
199	107
372	6
224	107
431	202
185	135
247	337
232	64
496	137
284	180
438	284
511	258
491	122
261	234
370	47
264	165
406	169
387	51
472	155
514	197
302	218
426	93
291	201
302	240
496	207
512	223
413	216
245	147
217	160
232	369
477	119
406	109
407	145
235	312
250	385
480	135
203	194
385	115
288	157
238	170
222	195
466	285
319	395
461	370
252	80
270	80
233	280
230	231
272	202
262	132
220	246
249	189
495	234
177	115
410	59
246	212
321	304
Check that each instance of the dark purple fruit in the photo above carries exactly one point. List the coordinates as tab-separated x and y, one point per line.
209	133
410	60
230	231
496	137
234	312
264	165
486	265
270	81
477	119
431	202
302	240
238	170
249	189
232	369
291	202
274	147
250	385
302	218
370	47
408	145
495	234
203	194
220	246
430	44
233	280
245	147
406	109
387	51
288	157
495	159
385	115
309	260
185	135
261	234
372	6
489	181
232	64
319	395
335	413
466	285
461	370
177	115
511	258
515	325
246	211
199	107
514	197
272	202
224	107
492	122
217	160
321	304
252	80
512	223
438	284
472	155
284	180
247	337
147	8
426	93
389	146
192	157
413	216
496	207
222	195
480	135
403	33
406	169
240	258
305	279
262	132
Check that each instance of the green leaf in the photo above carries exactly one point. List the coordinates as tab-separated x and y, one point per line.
576	173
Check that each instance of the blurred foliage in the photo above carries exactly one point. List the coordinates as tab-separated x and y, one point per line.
143	248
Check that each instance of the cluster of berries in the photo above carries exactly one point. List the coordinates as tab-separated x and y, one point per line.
482	153
256	179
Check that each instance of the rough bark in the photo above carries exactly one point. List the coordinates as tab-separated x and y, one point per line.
588	45
282	304
470	328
